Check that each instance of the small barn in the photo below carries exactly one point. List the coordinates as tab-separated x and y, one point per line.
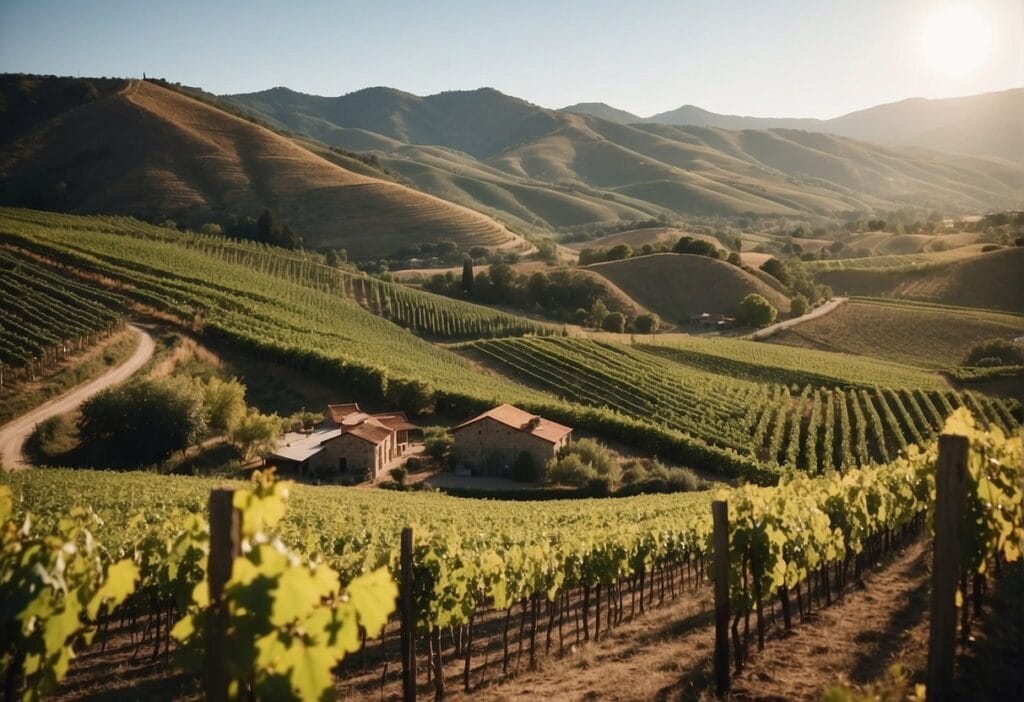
489	443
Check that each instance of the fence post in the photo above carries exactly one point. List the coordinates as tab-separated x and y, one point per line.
225	547
720	552
408	620
950	483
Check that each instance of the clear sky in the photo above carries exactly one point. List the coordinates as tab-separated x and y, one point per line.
793	58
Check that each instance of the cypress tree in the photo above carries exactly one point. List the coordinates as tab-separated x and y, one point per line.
467	276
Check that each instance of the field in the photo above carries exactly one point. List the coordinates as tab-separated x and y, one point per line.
990	280
678	285
475	562
898	262
923	335
784	426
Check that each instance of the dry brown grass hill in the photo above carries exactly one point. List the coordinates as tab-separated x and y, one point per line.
543	168
992	280
145	149
678	285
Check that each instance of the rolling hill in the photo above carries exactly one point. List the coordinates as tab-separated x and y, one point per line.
990	124
992	280
678	285
545	169
139	148
636	238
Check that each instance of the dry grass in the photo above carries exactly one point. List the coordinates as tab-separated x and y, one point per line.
993	280
677	285
148	149
923	336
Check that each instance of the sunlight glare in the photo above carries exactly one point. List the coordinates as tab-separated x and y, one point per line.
956	40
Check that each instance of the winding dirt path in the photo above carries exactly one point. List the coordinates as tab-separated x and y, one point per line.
787	323
14	434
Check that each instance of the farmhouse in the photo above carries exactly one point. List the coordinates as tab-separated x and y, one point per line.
489	443
716	320
349	443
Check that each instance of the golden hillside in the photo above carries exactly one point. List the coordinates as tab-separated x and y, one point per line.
678	285
149	150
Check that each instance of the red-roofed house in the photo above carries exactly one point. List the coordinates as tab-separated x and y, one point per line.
489	443
350	442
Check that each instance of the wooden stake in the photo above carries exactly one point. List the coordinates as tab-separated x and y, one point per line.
225	547
720	545
950	484
408	619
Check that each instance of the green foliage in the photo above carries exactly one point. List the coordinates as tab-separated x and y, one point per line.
144	421
798	306
996	352
255	434
614	322
289	619
439	445
568	470
647	323
399	474
53	587
619	252
776	269
756	311
224	401
697	247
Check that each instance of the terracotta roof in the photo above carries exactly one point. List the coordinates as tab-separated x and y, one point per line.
522	421
339	412
396	421
370	431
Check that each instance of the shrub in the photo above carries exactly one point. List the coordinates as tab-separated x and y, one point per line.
756	311
569	470
224	402
399	475
647	323
798	306
614	322
1003	352
256	434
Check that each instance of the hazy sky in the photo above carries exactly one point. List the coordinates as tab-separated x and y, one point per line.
794	58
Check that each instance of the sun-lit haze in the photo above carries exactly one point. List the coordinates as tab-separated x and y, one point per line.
957	40
788	57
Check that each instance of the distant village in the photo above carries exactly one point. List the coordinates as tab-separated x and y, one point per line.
351	445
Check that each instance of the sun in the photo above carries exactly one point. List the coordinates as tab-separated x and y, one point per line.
956	40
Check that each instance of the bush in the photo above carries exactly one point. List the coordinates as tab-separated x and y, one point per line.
756	311
143	422
399	475
525	469
647	323
439	445
798	306
568	470
224	402
996	352
614	322
597	456
256	434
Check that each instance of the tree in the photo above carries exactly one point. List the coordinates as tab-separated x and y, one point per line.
798	306
588	256
467	277
399	474
647	323
777	269
224	402
598	311
143	422
995	352
256	434
502	276
620	252
614	322
336	257
698	247
734	259
756	311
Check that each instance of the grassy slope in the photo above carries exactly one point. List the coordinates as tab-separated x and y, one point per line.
636	238
151	150
678	285
993	280
920	335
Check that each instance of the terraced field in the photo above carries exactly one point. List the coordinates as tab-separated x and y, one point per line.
787	426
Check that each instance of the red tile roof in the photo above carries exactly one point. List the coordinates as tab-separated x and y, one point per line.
396	421
338	412
522	421
370	431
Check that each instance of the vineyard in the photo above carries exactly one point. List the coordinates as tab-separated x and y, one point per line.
550	562
45	316
809	428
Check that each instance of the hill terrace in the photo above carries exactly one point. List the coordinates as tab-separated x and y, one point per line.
489	443
348	444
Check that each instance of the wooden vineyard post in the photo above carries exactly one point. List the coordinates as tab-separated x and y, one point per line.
225	547
950	482
720	550
408	620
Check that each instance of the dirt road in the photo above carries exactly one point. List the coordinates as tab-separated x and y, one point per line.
14	434
779	326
